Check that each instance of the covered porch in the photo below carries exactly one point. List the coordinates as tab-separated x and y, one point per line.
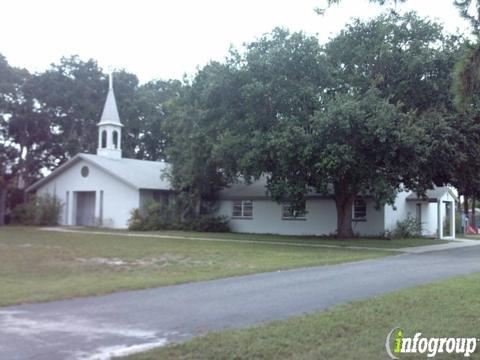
440	204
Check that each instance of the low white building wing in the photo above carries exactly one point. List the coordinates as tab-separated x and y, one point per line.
263	215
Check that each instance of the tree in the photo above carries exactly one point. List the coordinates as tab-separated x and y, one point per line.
322	11
282	75
356	145
339	121
347	130
465	8
407	58
196	119
146	136
20	131
71	95
465	89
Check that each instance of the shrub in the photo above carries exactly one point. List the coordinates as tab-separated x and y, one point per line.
23	214
135	222
41	210
159	216
408	228
208	223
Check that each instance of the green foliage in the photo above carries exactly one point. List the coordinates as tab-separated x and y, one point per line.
466	84
339	120
71	95
42	210
465	8
208	223
406	57
322	11
357	145
159	216
197	120
145	114
407	229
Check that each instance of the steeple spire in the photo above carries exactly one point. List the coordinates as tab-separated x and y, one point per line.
110	111
110	127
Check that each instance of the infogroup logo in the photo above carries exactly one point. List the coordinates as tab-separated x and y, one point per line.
397	343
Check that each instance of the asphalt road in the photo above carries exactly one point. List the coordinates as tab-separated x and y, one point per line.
98	327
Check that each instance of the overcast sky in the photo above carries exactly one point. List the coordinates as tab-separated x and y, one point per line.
165	39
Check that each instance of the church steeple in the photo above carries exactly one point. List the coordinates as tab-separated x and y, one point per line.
110	127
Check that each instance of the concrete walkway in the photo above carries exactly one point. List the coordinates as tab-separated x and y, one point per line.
453	244
121	323
458	243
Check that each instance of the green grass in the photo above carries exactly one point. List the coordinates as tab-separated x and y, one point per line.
37	265
361	242
354	331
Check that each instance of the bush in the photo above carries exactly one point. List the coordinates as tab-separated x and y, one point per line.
41	210
208	223
158	216
408	228
23	214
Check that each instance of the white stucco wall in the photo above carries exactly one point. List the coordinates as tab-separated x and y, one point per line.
406	208
447	198
321	219
429	219
118	198
397	212
375	224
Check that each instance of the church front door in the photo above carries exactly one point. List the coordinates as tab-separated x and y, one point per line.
85	208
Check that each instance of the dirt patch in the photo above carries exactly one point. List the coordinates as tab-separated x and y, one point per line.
158	261
102	261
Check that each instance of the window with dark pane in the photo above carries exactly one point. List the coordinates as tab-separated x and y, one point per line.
290	213
242	209
359	209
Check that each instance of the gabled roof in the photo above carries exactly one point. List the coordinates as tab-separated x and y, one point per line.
110	111
257	190
433	195
139	174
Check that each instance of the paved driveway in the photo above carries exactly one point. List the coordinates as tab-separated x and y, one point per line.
98	327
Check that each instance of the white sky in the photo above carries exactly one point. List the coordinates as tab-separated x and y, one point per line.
167	38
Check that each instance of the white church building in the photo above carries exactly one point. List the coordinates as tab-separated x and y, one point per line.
103	189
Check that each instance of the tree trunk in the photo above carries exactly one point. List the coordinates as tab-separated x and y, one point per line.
465	205
474	225
344	216
3	200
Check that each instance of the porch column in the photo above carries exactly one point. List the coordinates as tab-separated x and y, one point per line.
439	219
98	208
453	218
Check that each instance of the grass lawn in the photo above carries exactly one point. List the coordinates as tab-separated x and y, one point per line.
354	331
362	242
37	265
